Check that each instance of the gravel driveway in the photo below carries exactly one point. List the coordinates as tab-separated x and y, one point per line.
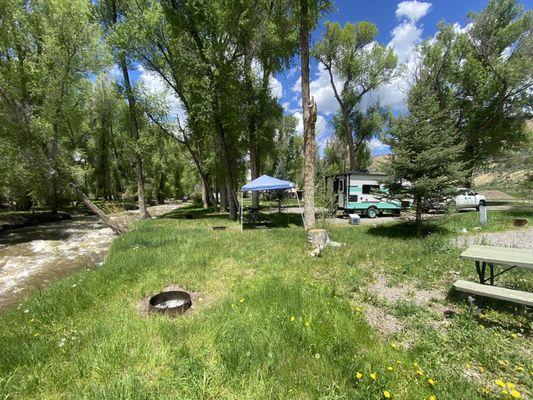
520	238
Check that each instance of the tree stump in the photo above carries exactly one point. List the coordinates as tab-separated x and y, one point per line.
318	239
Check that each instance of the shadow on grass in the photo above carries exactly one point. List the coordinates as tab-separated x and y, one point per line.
194	211
276	220
407	230
483	304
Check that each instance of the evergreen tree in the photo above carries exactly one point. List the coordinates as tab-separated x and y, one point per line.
425	157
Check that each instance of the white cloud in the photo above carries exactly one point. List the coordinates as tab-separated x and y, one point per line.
405	37
155	85
299	122
413	10
321	90
275	87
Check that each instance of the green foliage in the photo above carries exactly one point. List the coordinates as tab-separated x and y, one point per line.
482	76
424	164
351	55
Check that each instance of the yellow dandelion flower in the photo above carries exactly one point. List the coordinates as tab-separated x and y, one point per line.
358	375
415	364
419	372
393	345
432	397
431	382
241	300
500	383
386	394
515	394
373	376
505	392
292	318
306	323
514	335
36	334
389	368
510	385
398	362
481	369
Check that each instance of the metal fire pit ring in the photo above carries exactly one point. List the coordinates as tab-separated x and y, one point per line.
173	302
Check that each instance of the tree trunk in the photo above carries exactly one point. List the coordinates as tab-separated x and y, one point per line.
252	122
225	159
349	139
418	218
309	119
116	227
223	193
134	128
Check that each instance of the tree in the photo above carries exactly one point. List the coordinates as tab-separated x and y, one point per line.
112	13
308	13
482	76
425	163
367	125
352	55
47	50
287	160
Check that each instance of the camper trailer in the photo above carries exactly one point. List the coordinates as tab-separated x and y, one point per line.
357	192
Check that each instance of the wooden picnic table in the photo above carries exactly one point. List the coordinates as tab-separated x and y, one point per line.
491	255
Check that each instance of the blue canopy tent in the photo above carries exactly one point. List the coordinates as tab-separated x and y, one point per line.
263	183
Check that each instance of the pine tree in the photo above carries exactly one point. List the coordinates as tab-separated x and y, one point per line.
425	163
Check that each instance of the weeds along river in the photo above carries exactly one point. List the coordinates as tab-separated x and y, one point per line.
32	257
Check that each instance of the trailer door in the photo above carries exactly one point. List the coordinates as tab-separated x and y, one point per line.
340	192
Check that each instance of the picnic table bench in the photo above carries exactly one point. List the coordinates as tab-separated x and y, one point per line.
490	256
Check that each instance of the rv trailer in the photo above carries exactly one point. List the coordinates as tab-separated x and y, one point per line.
357	192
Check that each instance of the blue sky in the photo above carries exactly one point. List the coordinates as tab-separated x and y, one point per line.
401	25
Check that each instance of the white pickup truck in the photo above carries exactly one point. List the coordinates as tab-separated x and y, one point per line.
466	198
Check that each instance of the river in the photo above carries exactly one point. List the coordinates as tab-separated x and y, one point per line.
32	257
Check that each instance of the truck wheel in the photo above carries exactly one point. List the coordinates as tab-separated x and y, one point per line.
372	212
481	204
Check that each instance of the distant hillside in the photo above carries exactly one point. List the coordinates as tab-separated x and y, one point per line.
377	163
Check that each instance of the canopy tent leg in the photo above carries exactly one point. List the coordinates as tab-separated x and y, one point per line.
300	208
242	216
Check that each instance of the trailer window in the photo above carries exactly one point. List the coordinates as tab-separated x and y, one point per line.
352	198
368	189
341	185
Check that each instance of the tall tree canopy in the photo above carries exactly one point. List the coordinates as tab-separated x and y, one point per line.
483	76
351	55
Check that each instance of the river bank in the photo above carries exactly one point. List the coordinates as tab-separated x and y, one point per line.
22	219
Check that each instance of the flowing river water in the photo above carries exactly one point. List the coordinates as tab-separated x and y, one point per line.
32	257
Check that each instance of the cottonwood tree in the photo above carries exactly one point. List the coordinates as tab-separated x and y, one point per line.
425	163
308	12
482	75
112	14
356	65
367	124
47	49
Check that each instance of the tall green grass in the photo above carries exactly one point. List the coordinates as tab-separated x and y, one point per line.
268	323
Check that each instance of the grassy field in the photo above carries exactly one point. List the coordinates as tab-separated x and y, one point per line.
269	322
